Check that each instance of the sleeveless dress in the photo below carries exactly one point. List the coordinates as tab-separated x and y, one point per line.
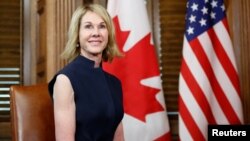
98	99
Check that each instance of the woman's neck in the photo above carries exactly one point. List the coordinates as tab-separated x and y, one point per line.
97	58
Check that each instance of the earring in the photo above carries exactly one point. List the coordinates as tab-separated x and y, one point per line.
77	45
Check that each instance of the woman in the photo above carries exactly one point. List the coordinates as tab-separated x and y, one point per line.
88	100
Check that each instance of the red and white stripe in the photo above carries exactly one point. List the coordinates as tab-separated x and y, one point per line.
208	84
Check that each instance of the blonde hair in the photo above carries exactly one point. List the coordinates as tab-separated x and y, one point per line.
71	49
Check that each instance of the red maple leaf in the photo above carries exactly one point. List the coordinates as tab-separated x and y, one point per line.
139	63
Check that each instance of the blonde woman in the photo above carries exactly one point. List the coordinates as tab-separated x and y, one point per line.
87	100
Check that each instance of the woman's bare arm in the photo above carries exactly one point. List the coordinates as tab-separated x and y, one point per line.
119	135
64	109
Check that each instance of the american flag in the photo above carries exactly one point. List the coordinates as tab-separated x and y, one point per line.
208	83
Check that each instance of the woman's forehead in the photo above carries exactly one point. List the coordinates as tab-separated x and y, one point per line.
92	17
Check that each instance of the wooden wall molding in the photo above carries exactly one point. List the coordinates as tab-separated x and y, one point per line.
240	14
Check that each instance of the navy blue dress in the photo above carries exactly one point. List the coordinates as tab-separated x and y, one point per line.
98	99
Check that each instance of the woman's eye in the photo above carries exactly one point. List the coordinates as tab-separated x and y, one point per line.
102	26
88	26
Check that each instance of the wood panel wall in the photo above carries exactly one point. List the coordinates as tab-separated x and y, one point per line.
10	52
10	58
40	48
240	25
172	19
10	33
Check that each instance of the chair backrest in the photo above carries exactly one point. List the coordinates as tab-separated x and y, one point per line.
31	113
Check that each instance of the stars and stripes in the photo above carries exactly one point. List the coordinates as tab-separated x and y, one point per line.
202	15
208	83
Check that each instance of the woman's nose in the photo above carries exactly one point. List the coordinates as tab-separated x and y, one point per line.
96	31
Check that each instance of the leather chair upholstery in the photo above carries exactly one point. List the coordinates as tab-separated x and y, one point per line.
31	113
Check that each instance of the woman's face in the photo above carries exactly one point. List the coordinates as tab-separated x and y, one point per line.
93	35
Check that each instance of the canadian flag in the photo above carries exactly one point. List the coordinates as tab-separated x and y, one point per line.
145	116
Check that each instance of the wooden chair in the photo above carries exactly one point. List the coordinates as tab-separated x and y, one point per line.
31	113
